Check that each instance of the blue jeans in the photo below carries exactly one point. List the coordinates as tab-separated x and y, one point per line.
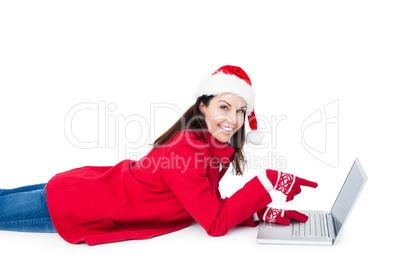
25	209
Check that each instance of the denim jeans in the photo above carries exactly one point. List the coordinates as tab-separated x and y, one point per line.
25	209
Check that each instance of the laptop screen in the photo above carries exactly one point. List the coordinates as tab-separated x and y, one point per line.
348	195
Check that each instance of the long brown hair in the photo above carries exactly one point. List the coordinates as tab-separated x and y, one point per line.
195	120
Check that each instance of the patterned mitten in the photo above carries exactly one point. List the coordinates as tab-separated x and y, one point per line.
280	216
286	183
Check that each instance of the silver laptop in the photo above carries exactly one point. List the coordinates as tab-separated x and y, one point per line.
322	227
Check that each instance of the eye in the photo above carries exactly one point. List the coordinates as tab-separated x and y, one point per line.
241	111
224	107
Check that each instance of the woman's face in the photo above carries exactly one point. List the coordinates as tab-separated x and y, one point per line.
224	115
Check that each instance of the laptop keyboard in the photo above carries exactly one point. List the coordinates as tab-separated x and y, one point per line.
315	226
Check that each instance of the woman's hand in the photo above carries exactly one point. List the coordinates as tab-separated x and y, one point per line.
286	183
280	216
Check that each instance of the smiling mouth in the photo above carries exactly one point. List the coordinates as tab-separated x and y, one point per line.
226	130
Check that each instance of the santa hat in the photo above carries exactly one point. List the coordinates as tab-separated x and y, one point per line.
232	79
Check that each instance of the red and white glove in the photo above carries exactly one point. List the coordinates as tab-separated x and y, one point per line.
286	183
280	216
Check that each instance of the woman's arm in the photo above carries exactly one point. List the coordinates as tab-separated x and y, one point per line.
191	186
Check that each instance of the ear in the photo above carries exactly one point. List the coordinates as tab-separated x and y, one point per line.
202	108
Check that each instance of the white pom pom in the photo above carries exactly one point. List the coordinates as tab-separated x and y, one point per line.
255	137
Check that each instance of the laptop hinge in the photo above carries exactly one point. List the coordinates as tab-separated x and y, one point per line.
331	226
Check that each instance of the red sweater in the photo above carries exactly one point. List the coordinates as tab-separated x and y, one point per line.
165	191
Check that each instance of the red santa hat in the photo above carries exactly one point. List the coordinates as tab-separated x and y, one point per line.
233	79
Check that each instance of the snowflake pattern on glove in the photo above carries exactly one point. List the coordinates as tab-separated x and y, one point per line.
272	213
285	182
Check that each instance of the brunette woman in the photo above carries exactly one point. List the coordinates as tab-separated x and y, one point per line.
175	184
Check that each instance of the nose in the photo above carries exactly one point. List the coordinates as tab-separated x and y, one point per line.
232	119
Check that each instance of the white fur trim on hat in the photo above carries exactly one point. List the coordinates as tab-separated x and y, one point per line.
220	83
255	137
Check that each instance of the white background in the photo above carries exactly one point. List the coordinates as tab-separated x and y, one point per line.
300	56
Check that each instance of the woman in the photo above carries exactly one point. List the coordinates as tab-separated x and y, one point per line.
176	183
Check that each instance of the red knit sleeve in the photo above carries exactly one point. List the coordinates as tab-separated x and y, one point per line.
216	215
249	222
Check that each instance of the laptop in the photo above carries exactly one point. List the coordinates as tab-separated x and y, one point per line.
322	227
